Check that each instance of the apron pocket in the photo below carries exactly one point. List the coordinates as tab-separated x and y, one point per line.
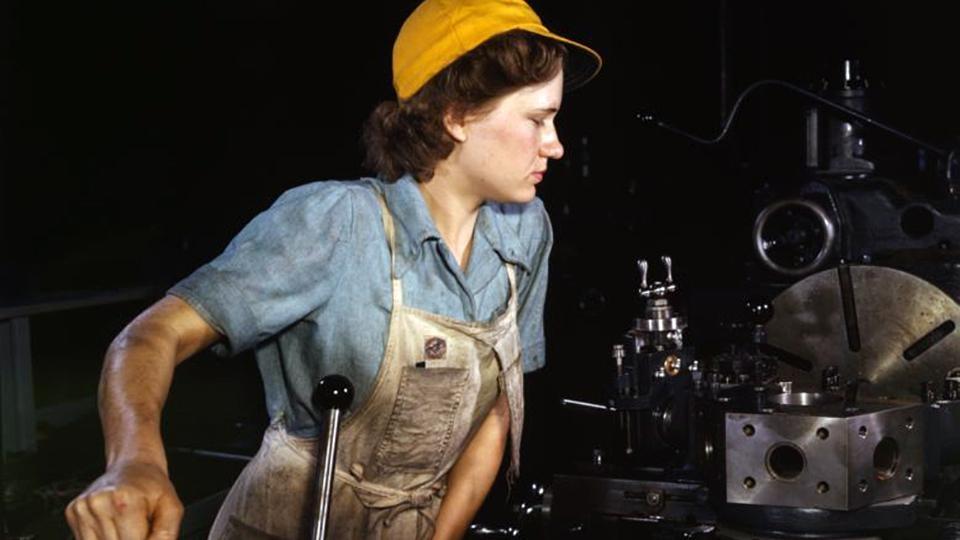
424	414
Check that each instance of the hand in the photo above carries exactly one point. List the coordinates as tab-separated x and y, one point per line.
132	500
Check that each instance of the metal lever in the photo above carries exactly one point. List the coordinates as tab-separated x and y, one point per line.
332	395
642	265
587	405
657	289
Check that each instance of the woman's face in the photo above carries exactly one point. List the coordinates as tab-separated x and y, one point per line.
503	152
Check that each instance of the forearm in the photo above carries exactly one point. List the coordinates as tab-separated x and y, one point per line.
136	377
137	373
134	498
474	473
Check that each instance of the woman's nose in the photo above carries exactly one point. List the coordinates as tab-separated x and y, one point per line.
552	148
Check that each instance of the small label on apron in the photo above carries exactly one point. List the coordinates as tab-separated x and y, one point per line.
435	348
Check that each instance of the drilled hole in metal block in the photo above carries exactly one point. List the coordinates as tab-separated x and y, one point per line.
785	461
886	457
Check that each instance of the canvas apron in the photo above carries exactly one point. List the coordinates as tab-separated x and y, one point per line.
438	379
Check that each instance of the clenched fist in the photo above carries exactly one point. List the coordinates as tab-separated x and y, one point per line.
132	500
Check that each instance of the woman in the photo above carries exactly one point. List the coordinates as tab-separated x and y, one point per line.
424	286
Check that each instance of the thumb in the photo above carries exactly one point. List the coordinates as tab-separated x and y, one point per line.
166	519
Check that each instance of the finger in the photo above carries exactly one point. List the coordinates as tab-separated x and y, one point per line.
166	519
72	520
131	509
101	506
87	527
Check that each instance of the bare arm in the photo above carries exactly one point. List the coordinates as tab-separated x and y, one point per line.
134	496
474	473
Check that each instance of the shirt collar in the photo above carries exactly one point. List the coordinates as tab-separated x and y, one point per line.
502	237
414	225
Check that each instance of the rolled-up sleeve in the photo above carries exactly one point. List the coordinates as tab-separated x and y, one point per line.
283	265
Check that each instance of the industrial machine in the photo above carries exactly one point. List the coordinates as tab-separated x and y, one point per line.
833	411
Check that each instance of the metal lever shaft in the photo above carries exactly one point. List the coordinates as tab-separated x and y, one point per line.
642	266
333	396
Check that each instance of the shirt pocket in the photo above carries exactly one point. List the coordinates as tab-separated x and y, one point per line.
423	418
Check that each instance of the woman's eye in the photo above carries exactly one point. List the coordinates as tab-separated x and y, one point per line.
538	121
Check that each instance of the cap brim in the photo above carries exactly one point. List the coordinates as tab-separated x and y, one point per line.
582	64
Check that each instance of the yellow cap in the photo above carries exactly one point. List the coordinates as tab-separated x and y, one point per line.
440	31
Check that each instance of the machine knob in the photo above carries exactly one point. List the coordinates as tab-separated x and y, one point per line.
333	392
646	117
332	395
760	311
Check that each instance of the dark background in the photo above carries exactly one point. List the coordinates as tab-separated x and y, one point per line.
138	138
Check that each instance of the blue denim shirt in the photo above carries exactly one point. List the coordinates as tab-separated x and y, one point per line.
307	283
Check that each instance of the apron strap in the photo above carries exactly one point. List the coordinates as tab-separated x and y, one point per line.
512	278
390	230
395	501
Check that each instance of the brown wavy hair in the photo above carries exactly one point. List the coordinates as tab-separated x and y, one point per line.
409	136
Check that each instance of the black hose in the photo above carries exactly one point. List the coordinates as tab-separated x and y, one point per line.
811	96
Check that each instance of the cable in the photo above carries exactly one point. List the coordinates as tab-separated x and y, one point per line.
846	111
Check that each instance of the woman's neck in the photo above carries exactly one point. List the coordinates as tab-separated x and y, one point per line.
454	213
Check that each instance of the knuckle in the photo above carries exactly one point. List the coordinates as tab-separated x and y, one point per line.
101	501
123	494
81	506
119	498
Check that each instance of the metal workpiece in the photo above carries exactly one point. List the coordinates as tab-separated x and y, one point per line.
811	454
889	328
659	318
802	399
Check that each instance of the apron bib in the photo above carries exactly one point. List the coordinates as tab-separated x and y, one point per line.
438	379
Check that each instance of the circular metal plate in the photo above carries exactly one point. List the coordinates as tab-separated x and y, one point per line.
890	328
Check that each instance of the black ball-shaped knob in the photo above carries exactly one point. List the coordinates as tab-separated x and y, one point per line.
760	311
333	392
646	117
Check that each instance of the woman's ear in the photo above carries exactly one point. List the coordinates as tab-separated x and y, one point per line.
456	125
